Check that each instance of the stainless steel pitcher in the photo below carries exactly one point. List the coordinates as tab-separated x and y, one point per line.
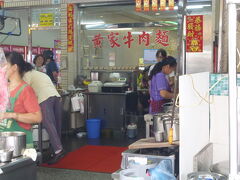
158	128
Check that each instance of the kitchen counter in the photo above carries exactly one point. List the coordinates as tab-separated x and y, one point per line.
106	93
151	143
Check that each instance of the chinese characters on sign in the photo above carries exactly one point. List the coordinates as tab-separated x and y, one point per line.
129	39
146	5
113	38
138	5
70	28
144	37
161	37
97	41
46	19
194	33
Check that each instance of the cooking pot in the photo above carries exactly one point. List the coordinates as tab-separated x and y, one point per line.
13	140
167	126
168	107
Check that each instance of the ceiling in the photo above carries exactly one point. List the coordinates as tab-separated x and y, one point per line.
106	16
124	15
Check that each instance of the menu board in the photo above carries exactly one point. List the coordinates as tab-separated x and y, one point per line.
149	56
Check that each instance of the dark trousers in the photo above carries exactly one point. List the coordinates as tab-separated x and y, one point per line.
52	120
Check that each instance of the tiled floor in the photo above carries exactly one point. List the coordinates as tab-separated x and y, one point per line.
72	142
64	174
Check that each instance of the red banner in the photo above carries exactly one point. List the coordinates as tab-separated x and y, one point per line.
163	5
19	49
154	5
1	4
171	4
70	27
146	5
138	5
6	48
43	49
194	33
35	50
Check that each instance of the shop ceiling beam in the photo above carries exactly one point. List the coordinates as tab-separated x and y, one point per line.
29	3
233	1
99	1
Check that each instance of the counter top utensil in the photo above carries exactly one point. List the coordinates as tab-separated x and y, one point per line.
6	155
13	140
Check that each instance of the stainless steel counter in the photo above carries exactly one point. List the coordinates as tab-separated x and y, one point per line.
111	108
104	93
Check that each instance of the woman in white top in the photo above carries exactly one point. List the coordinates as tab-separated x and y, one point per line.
51	107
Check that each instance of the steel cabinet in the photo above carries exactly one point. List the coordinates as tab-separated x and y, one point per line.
110	108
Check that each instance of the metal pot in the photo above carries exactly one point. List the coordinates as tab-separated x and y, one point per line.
13	140
168	107
167	126
158	129
205	176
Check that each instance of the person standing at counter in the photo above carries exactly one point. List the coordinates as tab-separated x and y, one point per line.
160	91
51	66
39	63
24	109
161	54
51	106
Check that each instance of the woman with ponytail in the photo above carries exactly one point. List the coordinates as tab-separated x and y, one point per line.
160	91
24	109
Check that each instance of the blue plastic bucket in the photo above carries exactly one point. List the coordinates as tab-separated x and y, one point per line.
93	128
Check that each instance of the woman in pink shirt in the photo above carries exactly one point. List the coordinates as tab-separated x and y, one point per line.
24	109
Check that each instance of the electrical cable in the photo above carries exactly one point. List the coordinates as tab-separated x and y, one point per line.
195	90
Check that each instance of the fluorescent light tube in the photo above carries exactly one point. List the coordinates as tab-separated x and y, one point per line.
197	6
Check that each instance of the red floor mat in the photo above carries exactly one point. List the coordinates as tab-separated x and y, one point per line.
105	159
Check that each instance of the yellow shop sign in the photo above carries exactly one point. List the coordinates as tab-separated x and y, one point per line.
46	19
